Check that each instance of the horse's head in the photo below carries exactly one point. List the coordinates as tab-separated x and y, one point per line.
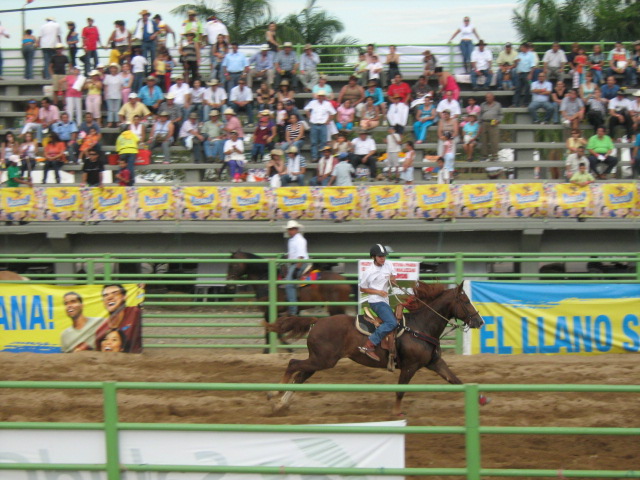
236	270
463	309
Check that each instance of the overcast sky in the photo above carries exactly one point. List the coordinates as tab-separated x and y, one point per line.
415	22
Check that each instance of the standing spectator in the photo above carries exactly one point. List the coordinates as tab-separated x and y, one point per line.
393	62
193	25
73	94
241	100
620	62
73	39
407	165
525	63
394	147
448	83
320	112
93	100
90	43
160	70
54	154
120	38
398	114
215	138
541	98
309	61
219	50
164	30
234	156
490	118
127	148
127	81
263	68
190	53
138	67
215	27
151	95
192	138
123	175
343	172
162	134
634	109
234	66
286	65
214	98
619	114
553	62
596	64
113	94
147	31
270	36
3	33
27	152
481	60
28	52
448	135
58	69
506	62
363	148
466	31
600	148
47	41
425	117
572	110
375	70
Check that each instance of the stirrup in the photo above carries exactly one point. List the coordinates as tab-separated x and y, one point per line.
369	352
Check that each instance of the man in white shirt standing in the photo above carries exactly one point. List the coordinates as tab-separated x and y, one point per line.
375	282
320	112
49	37
241	99
398	114
212	29
296	249
481	60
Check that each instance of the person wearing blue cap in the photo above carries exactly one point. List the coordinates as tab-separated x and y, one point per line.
343	172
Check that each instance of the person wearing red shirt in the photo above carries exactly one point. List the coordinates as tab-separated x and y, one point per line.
124	174
91	40
399	88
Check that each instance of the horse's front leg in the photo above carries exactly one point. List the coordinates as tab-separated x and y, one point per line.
442	369
406	374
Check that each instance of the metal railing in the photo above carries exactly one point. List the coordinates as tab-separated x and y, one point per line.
179	307
472	430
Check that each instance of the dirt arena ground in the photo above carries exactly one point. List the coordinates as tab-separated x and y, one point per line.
505	409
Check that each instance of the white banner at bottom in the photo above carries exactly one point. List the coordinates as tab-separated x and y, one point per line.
330	450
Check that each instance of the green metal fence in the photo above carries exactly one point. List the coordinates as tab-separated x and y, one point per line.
472	429
172	302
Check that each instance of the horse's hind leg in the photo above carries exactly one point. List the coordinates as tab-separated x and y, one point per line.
298	371
442	369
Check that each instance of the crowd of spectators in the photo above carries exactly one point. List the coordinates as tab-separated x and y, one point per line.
250	102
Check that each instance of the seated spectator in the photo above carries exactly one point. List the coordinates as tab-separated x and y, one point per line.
635	156
426	115
398	114
8	148
471	108
31	120
113	83
67	132
176	113
619	114
343	172
241	100
88	124
345	116
363	149
265	97
399	88
582	177
131	108
294	133
215	137
162	135
575	141
181	92
360	70
597	109
470	132
47	116
296	168
263	136
234	156
587	87
430	64
263	67
326	164
378	97
609	90
449	103
191	137
507	62
374	69
596	64
420	88
90	142
308	74
370	115
54	155
232	123
151	95
448	131
634	109
276	168
541	98
481	60
92	169
340	144
574	160
322	85
572	110
215	97
284	92
620	63
287	65
600	148
27	151
553	62
138	128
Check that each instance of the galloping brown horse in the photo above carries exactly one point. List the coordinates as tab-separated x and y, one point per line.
336	337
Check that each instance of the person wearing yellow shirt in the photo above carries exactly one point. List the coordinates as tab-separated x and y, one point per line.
132	108
127	149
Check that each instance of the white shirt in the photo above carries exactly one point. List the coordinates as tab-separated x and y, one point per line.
615	104
137	64
394	143
187	127
398	114
237	156
363	147
244	95
320	111
297	247
453	106
217	96
554	59
482	59
377	278
49	34
214	28
113	87
444	176
180	93
466	31
372	73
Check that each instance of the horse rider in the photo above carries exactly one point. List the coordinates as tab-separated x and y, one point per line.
375	282
296	249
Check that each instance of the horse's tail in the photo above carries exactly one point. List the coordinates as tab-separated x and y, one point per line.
293	326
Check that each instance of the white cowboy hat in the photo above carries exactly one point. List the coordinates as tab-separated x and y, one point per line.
293	224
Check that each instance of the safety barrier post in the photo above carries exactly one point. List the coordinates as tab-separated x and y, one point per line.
273	302
91	272
637	267
459	267
107	267
112	443
472	433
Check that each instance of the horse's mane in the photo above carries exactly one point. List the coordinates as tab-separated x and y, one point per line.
428	292
245	255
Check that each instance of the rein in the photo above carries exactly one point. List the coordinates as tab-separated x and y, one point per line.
413	298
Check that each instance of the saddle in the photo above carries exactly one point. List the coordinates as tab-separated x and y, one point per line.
309	275
367	323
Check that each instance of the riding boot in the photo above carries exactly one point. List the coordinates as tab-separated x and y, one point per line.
369	350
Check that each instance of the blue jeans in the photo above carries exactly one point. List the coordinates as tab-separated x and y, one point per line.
248	109
214	149
533	110
149	52
286	180
315	182
292	289
466	48
318	139
597	76
47	54
28	52
257	152
488	75
523	89
389	322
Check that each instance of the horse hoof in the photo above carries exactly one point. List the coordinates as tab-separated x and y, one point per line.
271	395
279	409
